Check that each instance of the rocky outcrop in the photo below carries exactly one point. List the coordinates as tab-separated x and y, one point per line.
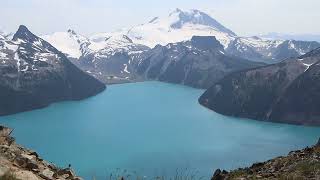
287	92
34	74
26	164
301	164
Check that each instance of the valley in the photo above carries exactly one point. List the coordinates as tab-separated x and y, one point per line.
153	129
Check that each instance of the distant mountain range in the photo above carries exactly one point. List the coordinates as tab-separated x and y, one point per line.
112	57
300	37
181	26
35	74
286	92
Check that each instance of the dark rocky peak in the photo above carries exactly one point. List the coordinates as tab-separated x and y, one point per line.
32	42
206	43
24	34
71	31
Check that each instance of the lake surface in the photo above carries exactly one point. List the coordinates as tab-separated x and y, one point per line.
154	129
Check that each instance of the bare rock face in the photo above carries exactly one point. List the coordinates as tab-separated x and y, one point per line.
287	92
34	74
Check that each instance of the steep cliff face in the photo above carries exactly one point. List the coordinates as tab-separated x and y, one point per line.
35	74
198	63
301	101
285	92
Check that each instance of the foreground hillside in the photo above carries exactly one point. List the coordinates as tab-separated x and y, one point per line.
287	92
301	164
22	164
35	74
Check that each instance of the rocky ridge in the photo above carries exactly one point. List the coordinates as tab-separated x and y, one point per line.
199	62
286	92
302	164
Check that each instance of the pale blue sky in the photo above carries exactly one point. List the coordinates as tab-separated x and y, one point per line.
244	17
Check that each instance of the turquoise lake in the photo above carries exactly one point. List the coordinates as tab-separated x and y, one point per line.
151	128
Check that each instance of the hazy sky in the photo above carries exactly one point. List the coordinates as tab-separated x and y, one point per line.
244	17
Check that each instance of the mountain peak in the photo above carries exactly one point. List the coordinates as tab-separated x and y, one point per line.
206	42
71	31
24	34
196	17
177	10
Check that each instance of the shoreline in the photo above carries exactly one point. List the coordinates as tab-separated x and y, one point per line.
24	163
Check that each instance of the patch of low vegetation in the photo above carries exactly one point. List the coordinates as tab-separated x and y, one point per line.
179	174
8	176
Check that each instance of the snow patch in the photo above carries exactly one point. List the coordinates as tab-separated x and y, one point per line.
126	68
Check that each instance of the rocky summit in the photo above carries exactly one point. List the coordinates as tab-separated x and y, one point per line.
35	74
287	92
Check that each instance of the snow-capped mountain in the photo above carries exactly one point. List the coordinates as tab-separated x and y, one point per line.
70	43
118	44
270	51
176	27
182	25
35	74
113	60
77	46
112	57
300	37
5	35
